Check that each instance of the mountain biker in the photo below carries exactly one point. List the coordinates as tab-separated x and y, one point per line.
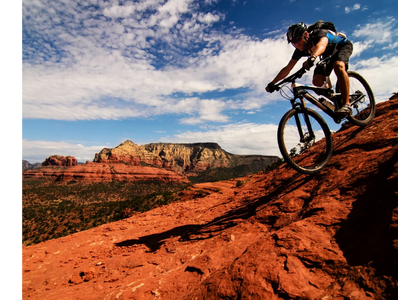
313	44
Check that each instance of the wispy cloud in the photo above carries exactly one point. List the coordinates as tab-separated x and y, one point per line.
356	6
379	32
110	61
371	69
35	151
87	60
242	138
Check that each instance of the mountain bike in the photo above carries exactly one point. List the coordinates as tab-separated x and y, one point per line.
301	127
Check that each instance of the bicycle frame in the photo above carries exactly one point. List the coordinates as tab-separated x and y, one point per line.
301	92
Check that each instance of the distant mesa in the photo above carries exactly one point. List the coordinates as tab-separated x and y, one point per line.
165	162
203	161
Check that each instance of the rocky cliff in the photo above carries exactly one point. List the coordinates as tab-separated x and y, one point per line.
192	160
199	161
281	235
28	166
60	161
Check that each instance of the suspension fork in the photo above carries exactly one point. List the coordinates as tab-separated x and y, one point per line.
303	108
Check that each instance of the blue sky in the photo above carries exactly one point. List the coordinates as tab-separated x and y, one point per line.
96	73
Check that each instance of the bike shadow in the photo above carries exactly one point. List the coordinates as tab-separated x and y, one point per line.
196	232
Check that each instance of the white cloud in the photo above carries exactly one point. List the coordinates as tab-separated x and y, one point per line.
245	138
359	47
208	18
38	151
119	11
378	32
380	73
201	111
381	35
356	6
87	67
391	46
147	58
105	69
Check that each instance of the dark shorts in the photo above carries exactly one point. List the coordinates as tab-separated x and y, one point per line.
343	54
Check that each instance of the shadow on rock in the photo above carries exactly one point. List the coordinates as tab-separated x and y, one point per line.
367	236
196	232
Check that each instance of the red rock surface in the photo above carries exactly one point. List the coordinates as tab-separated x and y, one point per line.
98	172
281	235
60	161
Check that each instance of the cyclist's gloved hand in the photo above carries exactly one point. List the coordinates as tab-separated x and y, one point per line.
309	63
270	87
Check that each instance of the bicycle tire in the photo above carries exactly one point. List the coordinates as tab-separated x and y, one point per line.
312	158
365	110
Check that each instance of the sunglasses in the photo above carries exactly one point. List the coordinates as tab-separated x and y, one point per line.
296	41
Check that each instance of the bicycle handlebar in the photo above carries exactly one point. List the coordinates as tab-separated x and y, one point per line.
291	78
298	74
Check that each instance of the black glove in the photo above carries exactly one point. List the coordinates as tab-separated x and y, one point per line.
270	87
309	63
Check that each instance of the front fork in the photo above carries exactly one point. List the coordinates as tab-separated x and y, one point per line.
301	107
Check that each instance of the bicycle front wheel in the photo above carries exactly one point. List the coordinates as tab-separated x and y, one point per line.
305	145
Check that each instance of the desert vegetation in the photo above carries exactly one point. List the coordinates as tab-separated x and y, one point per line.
54	209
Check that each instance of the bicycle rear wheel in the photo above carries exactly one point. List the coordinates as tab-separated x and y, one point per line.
362	100
310	153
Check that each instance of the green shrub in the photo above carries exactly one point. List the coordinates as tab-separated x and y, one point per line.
52	209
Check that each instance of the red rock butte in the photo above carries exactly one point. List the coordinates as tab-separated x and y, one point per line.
281	235
60	161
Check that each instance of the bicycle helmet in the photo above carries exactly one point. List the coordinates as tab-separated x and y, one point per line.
296	31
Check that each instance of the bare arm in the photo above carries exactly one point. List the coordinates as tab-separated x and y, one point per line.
320	47
285	71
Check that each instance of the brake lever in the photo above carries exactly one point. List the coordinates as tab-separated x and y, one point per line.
301	72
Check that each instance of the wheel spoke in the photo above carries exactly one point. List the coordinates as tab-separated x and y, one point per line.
308	153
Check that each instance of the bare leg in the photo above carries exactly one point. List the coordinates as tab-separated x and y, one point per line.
318	80
328	83
343	81
321	81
